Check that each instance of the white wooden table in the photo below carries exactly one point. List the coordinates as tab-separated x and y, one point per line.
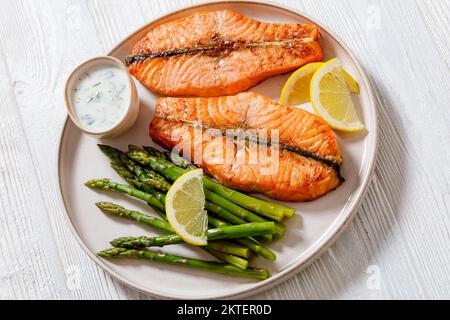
398	245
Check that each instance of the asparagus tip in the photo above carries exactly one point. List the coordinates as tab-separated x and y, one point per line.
122	171
97	183
107	150
271	257
264	273
134	147
111	252
122	242
108	207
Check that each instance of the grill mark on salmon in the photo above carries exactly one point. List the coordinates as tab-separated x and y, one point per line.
216	49
213	53
300	151
309	157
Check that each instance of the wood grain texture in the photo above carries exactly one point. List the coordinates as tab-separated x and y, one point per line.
401	231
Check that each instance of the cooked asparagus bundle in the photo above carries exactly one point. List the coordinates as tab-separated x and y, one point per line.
106	184
164	226
122	163
149	184
230	248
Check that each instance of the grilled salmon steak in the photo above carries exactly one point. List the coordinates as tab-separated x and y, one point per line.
214	53
253	144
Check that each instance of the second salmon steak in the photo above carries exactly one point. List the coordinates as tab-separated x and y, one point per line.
214	53
253	144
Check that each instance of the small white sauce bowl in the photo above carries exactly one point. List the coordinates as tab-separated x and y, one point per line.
132	112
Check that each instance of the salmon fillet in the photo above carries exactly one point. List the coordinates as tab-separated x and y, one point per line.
257	115
302	165
213	53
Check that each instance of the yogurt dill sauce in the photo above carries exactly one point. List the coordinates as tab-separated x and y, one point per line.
101	97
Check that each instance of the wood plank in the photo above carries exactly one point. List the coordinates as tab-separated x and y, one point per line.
29	255
409	195
38	89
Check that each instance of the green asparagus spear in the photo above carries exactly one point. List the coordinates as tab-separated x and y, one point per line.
228	258
226	232
122	171
164	226
130	178
211	266
214	222
225	214
106	184
241	212
148	189
231	248
117	156
257	248
116	210
152	151
221	212
164	167
169	156
264	208
158	194
125	167
151	178
249	242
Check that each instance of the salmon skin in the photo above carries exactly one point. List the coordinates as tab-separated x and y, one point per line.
304	165
215	53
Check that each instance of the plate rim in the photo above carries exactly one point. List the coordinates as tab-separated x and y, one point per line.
325	240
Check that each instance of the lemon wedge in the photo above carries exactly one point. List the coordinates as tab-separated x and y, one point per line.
296	89
185	208
351	83
330	92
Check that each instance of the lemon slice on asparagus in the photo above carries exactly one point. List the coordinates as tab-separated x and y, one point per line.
331	96
185	208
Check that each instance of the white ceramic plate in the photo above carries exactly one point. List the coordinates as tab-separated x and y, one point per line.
309	233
